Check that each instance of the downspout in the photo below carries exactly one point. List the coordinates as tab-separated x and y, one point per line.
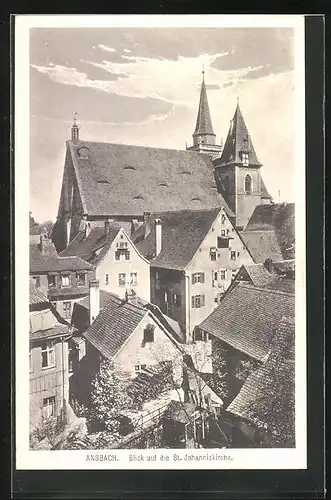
188	303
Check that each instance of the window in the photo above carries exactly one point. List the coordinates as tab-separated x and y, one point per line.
81	279
200	335
47	355
51	280
223	219
107	279
215	275
149	333
222	242
198	301
176	299
49	407
223	232
127	255
245	159
139	368
117	255
213	254
36	281
65	280
67	310
227	231
133	279
248	184
198	278
233	255
223	274
122	279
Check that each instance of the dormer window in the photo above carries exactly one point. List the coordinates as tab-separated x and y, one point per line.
248	184
245	159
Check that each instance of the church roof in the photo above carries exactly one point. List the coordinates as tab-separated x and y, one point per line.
238	140
116	179
203	125
262	245
279	217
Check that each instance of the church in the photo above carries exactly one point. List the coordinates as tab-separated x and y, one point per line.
117	182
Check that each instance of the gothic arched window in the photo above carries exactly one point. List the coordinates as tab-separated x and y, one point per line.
248	184
226	184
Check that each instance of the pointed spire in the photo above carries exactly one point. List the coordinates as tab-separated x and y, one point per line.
203	129
75	129
238	142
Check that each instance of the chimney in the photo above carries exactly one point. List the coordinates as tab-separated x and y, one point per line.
158	236
107	227
94	301
147	223
87	229
269	265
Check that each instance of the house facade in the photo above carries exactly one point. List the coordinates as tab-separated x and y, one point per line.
64	280
243	326
118	265
198	254
48	360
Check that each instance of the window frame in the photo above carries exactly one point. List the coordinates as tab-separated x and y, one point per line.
149	334
79	274
63	277
233	255
198	301
222	273
51	277
48	347
198	277
36	281
47	405
121	282
134	282
139	368
245	159
248	176
212	253
67	306
107	279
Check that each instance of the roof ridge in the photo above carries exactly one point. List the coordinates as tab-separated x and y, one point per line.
243	284
80	142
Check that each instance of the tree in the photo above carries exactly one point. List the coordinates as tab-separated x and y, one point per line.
110	397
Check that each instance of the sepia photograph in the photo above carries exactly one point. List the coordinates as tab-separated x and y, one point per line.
161	165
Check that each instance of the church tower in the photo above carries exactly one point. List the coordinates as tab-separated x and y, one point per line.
204	137
238	172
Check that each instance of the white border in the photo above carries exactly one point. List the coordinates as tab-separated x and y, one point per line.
239	459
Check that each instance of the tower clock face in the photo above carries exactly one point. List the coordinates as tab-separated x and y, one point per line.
83	153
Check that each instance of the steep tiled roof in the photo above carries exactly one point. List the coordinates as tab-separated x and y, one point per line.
279	217
116	179
248	316
259	275
238	140
55	331
114	325
169	324
40	263
262	245
267	397
86	247
182	234
36	297
203	125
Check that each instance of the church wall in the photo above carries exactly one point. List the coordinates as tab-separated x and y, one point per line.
246	202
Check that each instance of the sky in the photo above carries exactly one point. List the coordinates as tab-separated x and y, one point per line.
141	86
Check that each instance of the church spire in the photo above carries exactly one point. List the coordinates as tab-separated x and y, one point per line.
203	132
75	129
238	148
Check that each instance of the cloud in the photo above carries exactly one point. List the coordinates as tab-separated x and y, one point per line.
106	48
127	50
212	86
